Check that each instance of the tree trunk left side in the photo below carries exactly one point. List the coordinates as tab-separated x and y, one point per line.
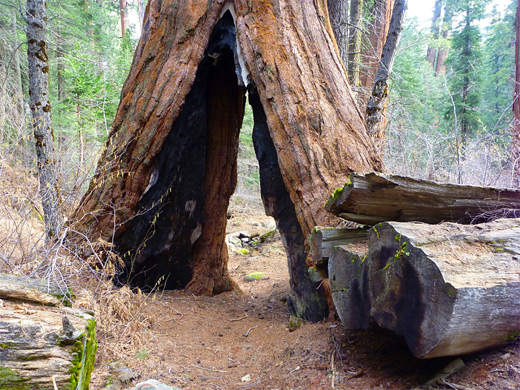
41	113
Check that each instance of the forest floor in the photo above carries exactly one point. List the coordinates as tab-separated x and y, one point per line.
236	340
242	340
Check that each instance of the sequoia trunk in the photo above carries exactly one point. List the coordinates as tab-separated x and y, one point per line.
162	185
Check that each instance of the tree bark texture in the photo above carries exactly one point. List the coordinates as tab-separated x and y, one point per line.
338	14
376	104
516	104
354	41
373	198
449	289
42	340
433	51
372	46
123	14
41	113
163	183
443	50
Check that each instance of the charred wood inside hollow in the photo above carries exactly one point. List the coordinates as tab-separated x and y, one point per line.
173	214
307	299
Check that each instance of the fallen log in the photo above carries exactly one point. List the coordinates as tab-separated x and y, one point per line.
43	347
346	271
374	197
449	289
323	240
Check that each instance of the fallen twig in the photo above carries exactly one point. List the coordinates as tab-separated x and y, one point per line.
239	319
249	330
208	369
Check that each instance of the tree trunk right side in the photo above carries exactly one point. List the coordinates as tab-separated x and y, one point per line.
41	113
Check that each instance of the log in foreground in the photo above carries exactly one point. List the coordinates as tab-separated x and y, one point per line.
449	289
40	344
375	197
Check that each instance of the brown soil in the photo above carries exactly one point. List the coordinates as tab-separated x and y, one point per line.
217	342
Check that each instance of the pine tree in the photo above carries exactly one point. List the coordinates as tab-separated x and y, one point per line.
464	64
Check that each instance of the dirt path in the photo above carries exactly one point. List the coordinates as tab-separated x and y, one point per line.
242	341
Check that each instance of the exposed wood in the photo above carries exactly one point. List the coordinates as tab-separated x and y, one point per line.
41	116
29	290
377	101
374	197
40	345
150	190
346	271
323	240
449	289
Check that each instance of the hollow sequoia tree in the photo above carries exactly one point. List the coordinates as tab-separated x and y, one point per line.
162	186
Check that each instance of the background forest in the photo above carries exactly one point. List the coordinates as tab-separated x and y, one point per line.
448	115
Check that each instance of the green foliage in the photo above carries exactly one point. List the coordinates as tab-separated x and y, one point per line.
498	71
464	64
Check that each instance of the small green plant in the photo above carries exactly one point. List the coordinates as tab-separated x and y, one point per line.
243	251
142	354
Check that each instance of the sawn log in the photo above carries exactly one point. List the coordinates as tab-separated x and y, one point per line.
41	346
375	197
449	289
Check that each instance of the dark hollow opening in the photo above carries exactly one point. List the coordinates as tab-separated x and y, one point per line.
183	212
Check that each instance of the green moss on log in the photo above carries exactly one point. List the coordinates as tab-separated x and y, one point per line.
84	351
11	380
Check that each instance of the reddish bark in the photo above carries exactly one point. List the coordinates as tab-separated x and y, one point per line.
155	192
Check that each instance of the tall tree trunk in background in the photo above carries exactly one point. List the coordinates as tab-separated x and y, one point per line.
376	104
443	50
354	41
338	15
435	29
60	63
516	104
377	26
123	11
141	5
41	112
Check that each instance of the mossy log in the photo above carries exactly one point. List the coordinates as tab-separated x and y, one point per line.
323	240
375	197
44	346
346	277
449	289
